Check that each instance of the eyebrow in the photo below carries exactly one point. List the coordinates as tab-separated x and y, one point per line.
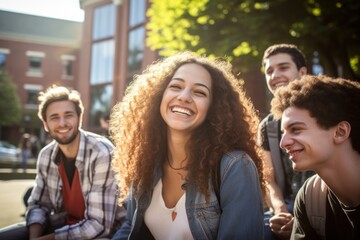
294	123
198	84
56	114
279	64
284	63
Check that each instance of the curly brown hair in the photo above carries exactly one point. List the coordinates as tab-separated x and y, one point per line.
139	132
328	100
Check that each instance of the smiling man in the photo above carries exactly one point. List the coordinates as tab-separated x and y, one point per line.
75	194
321	132
282	63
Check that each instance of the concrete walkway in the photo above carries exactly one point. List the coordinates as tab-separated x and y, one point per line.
11	200
13	185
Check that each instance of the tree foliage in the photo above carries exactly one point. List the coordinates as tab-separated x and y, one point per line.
241	30
10	107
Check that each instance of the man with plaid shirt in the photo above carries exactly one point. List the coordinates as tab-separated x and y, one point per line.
75	191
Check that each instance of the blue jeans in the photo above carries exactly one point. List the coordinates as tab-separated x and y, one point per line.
25	156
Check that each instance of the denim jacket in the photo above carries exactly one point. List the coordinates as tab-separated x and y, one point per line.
238	216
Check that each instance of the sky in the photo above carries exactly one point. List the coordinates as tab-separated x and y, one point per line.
61	9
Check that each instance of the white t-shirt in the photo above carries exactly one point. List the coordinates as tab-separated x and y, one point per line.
167	223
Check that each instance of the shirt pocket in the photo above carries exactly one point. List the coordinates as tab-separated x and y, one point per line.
208	217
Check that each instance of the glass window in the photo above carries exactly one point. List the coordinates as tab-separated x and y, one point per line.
101	100
32	96
32	93
3	53
104	21
68	68
136	49
35	59
102	62
2	60
137	12
35	64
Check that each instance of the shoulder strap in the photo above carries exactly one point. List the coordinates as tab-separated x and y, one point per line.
272	129
315	204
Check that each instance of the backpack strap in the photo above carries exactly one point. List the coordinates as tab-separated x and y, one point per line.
315	204
272	129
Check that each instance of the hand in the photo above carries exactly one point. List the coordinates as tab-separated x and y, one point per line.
281	224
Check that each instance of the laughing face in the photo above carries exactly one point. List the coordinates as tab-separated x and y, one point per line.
62	122
186	99
280	70
308	145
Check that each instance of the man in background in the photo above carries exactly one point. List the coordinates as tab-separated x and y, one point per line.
282	63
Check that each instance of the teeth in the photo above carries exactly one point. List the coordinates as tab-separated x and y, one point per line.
280	84
181	110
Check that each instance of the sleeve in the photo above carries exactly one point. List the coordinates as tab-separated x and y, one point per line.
125	229
101	206
241	201
302	228
40	205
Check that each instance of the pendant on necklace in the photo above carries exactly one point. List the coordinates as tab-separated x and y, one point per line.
173	215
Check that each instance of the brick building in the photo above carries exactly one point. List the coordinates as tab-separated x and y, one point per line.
103	54
37	52
113	50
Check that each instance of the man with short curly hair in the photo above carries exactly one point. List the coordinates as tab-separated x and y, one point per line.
321	132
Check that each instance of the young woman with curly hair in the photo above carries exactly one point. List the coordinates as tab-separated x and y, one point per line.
186	154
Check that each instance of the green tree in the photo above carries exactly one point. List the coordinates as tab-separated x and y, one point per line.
241	30
10	107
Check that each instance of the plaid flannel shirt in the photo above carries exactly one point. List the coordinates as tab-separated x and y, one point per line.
102	215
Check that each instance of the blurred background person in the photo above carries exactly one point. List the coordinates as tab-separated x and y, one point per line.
25	147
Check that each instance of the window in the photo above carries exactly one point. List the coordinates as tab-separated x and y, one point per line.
136	37
101	99
2	60
35	64
104	22
136	49
35	60
68	62
137	12
3	55
32	93
32	97
102	62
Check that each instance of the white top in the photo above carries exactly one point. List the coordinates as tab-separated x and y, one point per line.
167	223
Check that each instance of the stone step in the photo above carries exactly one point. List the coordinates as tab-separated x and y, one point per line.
9	174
